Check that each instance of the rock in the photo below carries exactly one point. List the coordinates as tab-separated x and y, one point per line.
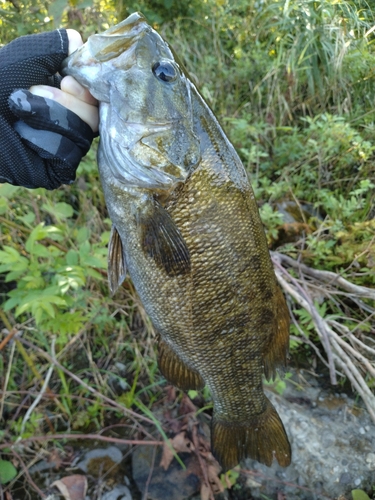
120	492
332	446
101	460
370	460
174	483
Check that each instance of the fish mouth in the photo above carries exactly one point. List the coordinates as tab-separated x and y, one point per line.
108	45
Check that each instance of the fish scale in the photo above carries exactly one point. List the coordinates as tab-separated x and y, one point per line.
187	229
230	312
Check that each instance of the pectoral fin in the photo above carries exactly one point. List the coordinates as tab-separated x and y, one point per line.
176	371
116	261
161	239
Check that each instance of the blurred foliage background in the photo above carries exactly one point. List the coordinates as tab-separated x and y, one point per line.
293	82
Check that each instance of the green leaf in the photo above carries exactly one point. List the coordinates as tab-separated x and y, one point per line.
3	205
11	260
92	260
7	471
64	210
83	4
360	495
83	234
72	257
40	250
84	250
94	274
8	190
27	219
56	10
39	233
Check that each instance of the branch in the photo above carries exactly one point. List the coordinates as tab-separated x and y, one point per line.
337	339
326	276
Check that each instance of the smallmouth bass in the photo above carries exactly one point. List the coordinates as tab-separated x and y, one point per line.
186	227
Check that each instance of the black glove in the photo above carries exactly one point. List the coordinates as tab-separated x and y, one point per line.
44	148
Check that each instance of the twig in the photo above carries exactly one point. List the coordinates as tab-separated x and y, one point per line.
326	276
317	319
8	338
366	320
370	401
349	334
145	494
41	392
74	437
7	375
356	354
313	346
123	409
26	471
342	353
202	465
6	322
354	383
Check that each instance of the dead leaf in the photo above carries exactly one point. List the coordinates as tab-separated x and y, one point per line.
72	487
206	492
213	478
55	458
167	455
186	406
171	393
180	443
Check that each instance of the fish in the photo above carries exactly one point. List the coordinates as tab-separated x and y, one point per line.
186	227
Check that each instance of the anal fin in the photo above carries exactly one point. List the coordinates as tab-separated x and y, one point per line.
277	350
116	261
261	438
176	371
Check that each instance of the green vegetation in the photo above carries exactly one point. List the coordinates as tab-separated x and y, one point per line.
360	495
293	82
7	471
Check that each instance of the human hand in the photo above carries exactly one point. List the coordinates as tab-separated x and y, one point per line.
71	94
54	130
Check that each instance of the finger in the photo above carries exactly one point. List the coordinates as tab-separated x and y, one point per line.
71	86
75	40
47	115
87	112
31	60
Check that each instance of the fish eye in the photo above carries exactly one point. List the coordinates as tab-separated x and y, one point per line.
165	71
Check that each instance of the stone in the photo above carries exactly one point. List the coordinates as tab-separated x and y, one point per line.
175	483
332	450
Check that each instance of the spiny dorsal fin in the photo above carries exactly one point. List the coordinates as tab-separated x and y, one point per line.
162	240
176	371
116	261
278	349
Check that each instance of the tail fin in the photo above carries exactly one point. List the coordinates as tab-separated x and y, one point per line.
262	438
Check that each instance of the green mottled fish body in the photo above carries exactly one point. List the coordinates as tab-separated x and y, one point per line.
187	229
